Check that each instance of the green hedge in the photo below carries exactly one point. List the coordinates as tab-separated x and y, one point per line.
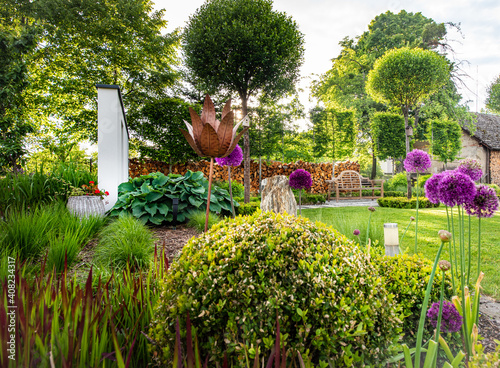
248	208
402	202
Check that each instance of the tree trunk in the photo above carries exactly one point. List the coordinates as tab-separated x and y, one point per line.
374	166
246	151
407	140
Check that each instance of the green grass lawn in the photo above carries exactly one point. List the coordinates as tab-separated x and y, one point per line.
346	219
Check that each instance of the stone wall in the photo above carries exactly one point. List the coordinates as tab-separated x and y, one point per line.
495	167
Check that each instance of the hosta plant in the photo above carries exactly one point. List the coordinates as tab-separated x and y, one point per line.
235	279
149	197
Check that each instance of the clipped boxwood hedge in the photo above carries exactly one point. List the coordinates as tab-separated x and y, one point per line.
236	278
149	197
403	202
248	208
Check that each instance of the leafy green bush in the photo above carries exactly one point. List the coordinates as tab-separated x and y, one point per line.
406	277
125	240
422	179
241	200
197	220
403	202
149	197
235	279
393	193
309	198
237	188
486	360
397	181
248	208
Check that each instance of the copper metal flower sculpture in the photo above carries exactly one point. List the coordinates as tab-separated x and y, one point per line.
210	137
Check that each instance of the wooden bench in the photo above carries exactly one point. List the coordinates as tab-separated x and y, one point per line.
350	181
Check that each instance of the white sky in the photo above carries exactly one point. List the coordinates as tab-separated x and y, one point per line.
324	23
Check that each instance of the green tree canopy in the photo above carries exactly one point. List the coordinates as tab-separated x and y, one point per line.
243	47
445	138
493	96
389	134
85	43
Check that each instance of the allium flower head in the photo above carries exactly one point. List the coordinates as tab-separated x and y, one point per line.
371	209
444	265
234	158
470	167
456	189
484	204
417	161
444	235
451	320
412	218
432	187
356	232
300	179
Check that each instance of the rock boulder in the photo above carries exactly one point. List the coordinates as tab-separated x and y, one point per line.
277	196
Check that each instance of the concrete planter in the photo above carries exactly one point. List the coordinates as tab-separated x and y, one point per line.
86	206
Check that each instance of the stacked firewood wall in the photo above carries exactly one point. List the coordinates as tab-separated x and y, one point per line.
320	172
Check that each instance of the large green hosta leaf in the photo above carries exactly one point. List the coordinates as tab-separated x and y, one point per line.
150	197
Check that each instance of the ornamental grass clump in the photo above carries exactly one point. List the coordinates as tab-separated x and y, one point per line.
300	179
235	279
417	161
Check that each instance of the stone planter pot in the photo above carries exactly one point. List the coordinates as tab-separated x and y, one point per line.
86	206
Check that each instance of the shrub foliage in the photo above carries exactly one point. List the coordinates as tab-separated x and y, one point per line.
235	279
402	202
149	197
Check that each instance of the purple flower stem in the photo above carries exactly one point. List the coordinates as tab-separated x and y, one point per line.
451	253
401	241
230	190
479	249
438	327
368	228
425	304
469	256
300	202
416	220
454	242
465	329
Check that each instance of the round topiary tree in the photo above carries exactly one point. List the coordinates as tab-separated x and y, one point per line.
235	279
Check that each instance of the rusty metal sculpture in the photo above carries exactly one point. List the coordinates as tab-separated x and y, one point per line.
212	138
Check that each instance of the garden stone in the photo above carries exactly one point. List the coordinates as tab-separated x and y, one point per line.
277	196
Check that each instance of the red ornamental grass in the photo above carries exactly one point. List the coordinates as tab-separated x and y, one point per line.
300	179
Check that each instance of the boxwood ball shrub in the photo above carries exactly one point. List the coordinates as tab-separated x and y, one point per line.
238	277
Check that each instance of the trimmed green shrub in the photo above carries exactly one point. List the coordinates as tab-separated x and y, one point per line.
248	208
149	197
393	193
241	200
236	278
125	240
237	188
406	277
403	202
397	182
422	179
309	198
197	220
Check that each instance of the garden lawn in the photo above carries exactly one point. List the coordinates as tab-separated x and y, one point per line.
430	221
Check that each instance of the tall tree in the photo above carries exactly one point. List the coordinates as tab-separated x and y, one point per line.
85	43
445	138
389	134
493	96
244	47
15	44
344	84
405	78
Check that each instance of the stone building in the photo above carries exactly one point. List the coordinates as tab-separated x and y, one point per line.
483	145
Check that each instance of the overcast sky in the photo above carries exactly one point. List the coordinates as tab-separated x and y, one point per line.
324	23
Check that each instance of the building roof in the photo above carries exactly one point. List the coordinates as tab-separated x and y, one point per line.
487	130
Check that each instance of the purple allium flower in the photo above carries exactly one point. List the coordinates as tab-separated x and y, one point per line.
371	209
300	179
233	159
451	320
456	189
417	161
470	167
356	232
484	204
432	187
